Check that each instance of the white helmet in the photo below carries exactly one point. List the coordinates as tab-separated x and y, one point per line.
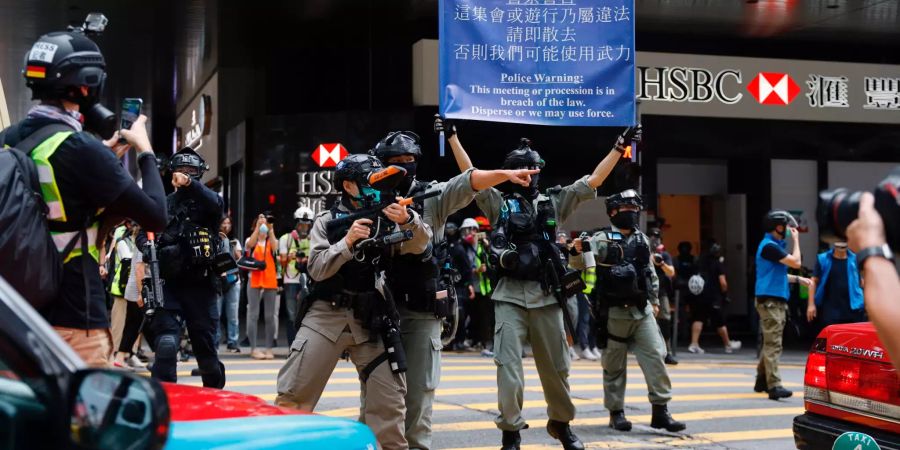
469	223
696	284
304	213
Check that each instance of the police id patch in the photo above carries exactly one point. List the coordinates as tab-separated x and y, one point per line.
43	52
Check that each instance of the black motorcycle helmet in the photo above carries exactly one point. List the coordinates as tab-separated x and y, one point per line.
779	217
397	143
523	157
356	167
190	159
59	65
627	197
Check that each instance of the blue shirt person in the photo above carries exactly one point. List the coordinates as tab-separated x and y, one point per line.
838	290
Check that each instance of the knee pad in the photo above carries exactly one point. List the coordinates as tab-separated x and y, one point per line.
167	346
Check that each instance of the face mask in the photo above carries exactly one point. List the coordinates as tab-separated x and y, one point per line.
625	220
368	195
100	120
410	168
264	229
470	239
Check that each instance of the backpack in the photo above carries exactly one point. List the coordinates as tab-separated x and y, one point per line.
31	263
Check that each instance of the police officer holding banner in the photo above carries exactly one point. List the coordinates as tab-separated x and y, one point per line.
187	250
526	303
349	308
414	277
628	287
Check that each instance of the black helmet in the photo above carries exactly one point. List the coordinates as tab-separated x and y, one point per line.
715	250
627	197
187	157
523	157
356	167
397	143
59	63
778	217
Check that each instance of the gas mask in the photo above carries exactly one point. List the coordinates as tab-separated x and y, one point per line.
368	196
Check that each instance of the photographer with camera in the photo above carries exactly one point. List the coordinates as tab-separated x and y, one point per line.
629	292
665	271
772	294
349	308
186	251
293	250
86	185
866	236
527	307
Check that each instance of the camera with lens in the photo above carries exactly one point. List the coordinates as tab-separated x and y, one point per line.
839	207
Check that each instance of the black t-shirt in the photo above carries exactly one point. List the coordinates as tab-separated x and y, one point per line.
773	252
89	177
712	290
835	306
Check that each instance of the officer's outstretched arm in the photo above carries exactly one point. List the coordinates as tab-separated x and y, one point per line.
208	201
325	259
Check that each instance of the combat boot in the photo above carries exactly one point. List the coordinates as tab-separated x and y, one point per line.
562	431
662	419
779	392
618	421
511	440
760	385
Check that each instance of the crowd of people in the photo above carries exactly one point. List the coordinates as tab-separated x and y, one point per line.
376	276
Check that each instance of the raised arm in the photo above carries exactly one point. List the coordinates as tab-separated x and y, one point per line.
606	166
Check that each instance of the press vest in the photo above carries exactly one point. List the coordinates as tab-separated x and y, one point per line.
52	197
856	292
771	277
484	282
589	276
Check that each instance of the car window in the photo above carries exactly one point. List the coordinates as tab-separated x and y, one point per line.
19	374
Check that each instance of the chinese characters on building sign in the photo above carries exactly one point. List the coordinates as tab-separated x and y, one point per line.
316	189
551	62
882	93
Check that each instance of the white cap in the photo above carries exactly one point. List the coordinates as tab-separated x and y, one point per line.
304	213
469	223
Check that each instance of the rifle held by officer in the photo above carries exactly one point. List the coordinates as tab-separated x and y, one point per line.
152	286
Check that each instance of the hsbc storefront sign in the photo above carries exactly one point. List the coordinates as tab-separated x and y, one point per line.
757	88
316	188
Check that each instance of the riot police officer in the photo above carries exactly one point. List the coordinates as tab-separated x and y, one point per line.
628	286
186	251
414	278
526	307
349	309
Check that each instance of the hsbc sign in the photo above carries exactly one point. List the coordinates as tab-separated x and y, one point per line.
757	88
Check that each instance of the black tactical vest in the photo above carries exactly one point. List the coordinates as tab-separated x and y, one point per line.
622	277
413	279
529	230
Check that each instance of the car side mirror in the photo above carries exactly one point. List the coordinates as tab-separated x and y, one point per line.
109	408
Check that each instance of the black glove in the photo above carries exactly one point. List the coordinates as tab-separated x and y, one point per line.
630	134
445	125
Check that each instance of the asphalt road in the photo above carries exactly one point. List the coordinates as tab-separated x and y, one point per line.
713	394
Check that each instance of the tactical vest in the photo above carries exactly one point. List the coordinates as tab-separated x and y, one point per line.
622	277
528	229
353	286
414	278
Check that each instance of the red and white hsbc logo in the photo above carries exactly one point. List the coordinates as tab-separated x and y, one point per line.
328	155
770	88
